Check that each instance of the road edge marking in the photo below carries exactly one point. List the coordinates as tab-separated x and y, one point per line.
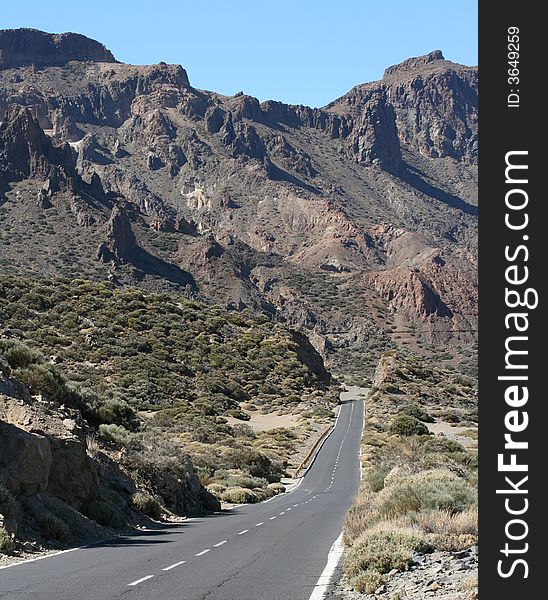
333	558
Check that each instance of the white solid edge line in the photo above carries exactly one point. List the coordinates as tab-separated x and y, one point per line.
320	589
137	581
181	562
30	560
203	552
219	544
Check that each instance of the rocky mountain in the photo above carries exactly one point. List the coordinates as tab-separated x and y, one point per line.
354	223
32	47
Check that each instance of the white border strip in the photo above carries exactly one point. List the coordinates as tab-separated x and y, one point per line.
322	585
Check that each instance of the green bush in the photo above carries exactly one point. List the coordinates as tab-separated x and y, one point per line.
367	582
9	506
17	355
277	488
6	543
406	425
442	445
239	495
244	431
380	552
375	476
427	490
146	504
412	410
255	462
216	489
230	478
53	528
116	434
42	379
117	411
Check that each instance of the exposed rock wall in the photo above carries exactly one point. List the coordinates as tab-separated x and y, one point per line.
21	47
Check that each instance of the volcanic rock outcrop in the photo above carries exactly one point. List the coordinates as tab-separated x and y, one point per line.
320	217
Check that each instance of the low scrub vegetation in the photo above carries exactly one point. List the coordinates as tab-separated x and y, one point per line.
139	350
6	543
407	425
9	506
147	504
419	492
155	375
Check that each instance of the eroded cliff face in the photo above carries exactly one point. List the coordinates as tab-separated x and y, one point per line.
21	47
435	104
237	201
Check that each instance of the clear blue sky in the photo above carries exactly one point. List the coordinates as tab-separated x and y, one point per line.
300	51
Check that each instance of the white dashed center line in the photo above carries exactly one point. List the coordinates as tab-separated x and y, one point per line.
138	581
272	518
220	543
203	552
181	562
259	524
244	531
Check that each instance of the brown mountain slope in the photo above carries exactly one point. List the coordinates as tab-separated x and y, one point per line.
356	222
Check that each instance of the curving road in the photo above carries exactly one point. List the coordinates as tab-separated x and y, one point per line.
276	550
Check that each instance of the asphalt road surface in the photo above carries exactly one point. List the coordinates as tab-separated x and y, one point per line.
276	550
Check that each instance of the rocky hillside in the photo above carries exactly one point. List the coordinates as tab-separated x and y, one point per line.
355	223
60	484
116	402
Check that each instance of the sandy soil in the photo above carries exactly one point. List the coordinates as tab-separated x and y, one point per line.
264	422
453	433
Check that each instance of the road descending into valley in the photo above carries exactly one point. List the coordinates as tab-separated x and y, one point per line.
276	550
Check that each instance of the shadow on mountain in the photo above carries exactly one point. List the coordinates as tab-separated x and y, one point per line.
278	174
415	178
149	264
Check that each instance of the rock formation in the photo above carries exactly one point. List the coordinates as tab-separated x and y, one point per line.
22	47
120	244
361	194
26	152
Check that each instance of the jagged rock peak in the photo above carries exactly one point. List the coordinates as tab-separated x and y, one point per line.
412	64
120	241
25	150
22	47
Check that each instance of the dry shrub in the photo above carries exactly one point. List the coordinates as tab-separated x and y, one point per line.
380	551
435	489
367	582
147	504
452	543
239	495
216	489
53	528
277	488
445	522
